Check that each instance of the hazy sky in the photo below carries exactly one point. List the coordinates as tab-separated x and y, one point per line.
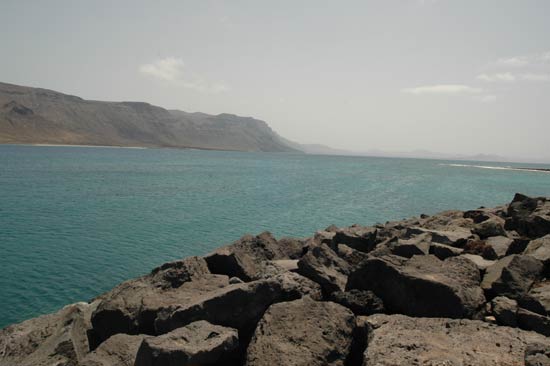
453	76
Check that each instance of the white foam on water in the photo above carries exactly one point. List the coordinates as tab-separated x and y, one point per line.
496	167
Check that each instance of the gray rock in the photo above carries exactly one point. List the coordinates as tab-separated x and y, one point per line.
511	276
322	265
443	251
246	257
54	339
529	320
359	301
537	354
416	245
540	249
491	227
359	238
500	245
199	343
118	350
350	255
302	332
237	306
481	263
422	285
397	340
529	216
132	306
504	310
455	236
538	298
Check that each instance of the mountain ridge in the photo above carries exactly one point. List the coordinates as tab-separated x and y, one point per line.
42	116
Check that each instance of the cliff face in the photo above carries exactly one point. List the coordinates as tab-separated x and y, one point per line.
456	288
32	115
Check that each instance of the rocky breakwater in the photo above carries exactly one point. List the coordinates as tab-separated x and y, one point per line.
456	288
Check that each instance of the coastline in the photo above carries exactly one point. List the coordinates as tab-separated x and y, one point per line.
357	293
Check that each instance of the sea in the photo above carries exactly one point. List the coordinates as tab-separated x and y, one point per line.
76	221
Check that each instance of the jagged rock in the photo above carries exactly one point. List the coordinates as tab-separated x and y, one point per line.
397	340
287	264
519	244
504	310
477	216
359	301
499	245
511	276
132	306
237	306
174	274
450	220
359	238
118	350
322	265
302	332
456	238
529	216
540	249
54	339
481	263
352	256
443	251
199	343
416	245
537	354
422	285
491	227
245	258
480	247
538	298
529	320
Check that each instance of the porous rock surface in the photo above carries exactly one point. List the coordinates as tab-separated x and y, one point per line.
454	288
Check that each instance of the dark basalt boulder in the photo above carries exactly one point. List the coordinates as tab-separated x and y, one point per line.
422	285
504	310
443	251
351	256
399	340
54	339
456	236
416	245
511	276
359	238
359	301
538	298
132	306
237	306
245	258
322	265
529	216
118	350
494	226
540	249
197	344
302	332
529	320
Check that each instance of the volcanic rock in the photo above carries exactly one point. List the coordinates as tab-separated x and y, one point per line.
302	332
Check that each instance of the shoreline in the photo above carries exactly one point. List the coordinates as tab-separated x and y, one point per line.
461	278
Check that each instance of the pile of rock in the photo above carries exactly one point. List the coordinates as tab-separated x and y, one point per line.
456	288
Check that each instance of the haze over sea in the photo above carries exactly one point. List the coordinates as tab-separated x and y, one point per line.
75	221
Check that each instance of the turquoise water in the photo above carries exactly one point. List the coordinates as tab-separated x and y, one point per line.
75	221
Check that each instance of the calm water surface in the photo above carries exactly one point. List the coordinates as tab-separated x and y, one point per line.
75	221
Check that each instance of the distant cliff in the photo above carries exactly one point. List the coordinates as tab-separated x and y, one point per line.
41	116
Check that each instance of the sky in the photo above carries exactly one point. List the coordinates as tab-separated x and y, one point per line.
452	76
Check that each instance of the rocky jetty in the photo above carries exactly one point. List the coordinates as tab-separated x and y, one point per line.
456	288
